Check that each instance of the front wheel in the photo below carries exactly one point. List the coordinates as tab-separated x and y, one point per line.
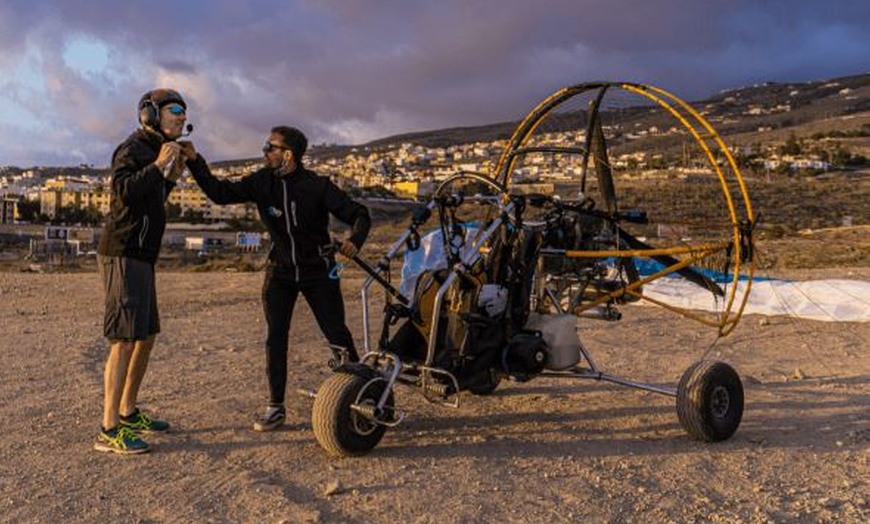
710	401
344	411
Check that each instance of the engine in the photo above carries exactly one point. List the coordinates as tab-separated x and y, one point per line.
525	355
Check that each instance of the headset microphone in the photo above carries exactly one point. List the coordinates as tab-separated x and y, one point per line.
188	130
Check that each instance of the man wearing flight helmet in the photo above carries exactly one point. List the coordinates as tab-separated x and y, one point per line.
145	168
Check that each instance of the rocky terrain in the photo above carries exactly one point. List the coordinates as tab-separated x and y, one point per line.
549	450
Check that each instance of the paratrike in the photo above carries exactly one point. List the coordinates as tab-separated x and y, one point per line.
494	290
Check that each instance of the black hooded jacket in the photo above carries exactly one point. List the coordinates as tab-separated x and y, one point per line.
295	208
137	215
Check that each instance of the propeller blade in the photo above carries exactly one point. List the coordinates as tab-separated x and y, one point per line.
688	273
602	168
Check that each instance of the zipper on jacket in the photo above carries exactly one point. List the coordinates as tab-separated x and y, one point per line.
143	232
287	222
293	212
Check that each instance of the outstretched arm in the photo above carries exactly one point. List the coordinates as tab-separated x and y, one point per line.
350	212
220	191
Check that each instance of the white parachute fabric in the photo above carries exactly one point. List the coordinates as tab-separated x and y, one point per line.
825	300
429	256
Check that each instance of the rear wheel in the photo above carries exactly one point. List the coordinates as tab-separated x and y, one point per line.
710	401
344	412
488	384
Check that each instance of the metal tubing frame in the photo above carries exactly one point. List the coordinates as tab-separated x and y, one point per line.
709	141
597	375
467	260
383	265
594	373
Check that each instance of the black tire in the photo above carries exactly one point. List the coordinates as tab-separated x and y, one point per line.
341	431
487	385
710	401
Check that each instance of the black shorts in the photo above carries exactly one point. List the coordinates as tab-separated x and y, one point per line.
131	298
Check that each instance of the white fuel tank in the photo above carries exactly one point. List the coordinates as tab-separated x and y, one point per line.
560	334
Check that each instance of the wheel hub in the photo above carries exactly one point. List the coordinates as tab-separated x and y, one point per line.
362	416
720	402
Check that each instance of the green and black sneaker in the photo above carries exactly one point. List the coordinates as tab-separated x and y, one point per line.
120	440
139	421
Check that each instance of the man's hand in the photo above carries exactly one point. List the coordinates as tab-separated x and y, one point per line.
169	151
187	149
348	249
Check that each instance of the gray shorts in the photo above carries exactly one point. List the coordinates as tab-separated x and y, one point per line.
131	298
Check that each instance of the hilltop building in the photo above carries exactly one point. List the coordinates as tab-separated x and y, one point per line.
71	192
8	210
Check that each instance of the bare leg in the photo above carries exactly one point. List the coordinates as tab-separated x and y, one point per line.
135	374
114	380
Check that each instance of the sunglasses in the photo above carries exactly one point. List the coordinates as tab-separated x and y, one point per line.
269	147
176	109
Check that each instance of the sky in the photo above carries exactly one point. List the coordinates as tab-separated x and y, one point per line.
346	72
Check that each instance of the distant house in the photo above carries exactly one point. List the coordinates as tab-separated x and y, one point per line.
800	164
66	192
408	187
797	164
8	210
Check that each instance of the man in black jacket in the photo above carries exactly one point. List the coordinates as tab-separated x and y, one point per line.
145	168
294	204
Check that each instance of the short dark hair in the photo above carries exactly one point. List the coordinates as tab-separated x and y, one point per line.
294	138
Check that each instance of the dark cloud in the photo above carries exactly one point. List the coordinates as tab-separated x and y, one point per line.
177	66
361	70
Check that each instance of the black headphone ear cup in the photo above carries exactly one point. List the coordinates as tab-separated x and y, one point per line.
149	115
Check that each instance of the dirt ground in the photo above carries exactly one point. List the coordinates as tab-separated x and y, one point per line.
548	450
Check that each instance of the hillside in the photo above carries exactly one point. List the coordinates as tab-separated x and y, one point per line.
814	106
823	106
